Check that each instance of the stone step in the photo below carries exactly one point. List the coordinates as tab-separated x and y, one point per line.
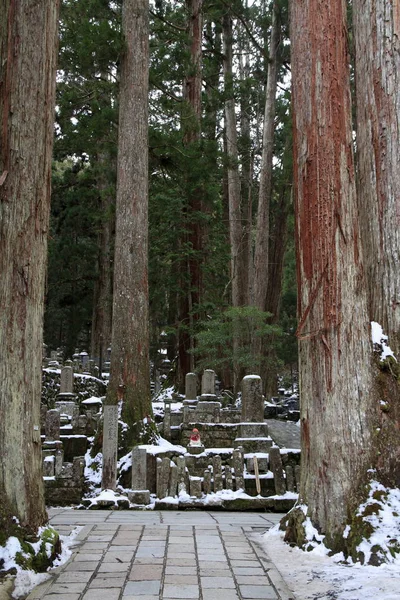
253	430
260	444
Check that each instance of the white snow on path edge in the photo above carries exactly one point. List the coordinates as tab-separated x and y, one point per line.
25	581
313	575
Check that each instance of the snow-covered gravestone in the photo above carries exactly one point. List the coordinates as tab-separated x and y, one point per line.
110	446
252	400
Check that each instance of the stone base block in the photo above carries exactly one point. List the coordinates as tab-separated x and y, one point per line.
253	430
261	444
195	449
139	497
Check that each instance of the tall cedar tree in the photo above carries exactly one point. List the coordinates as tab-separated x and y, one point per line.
337	406
377	68
130	368
28	53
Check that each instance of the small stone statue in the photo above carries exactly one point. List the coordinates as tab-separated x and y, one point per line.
195	439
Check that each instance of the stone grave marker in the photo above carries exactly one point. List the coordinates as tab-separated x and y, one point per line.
208	383
52	425
191	386
252	400
217	473
67	378
110	446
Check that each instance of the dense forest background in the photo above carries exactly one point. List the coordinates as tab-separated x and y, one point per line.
193	162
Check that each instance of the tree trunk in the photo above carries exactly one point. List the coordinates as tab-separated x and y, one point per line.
239	256
377	31
130	368
28	54
191	271
264	197
102	297
337	406
377	68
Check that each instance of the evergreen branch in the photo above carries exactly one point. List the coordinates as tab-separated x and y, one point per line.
158	16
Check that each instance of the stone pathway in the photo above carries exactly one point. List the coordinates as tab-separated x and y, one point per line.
133	555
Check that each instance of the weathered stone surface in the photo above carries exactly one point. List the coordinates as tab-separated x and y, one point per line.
139	469
67	378
191	386
110	443
253	430
262	465
195	487
228	478
167	420
238	468
217	473
48	466
253	445
207	482
141	497
52	425
66	407
290	482
252	400
208	383
297	474
276	467
173	480
163	477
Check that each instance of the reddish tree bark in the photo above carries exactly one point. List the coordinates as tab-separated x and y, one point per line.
337	407
28	55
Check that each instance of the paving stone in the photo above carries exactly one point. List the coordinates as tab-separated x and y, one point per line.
265	592
247	564
150	552
213	565
93	546
180	579
253	580
148	560
122	548
188	555
219	573
106	594
100	538
141	597
222	595
113	567
82	566
145	572
240	571
61	597
208	558
117	557
68	588
141	588
107	582
75	576
181	570
186	592
184	562
217	582
83	556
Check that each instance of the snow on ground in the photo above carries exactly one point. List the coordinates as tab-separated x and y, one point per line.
315	576
163	446
26	580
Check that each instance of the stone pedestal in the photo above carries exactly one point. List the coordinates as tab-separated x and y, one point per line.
141	497
195	449
207	482
195	487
